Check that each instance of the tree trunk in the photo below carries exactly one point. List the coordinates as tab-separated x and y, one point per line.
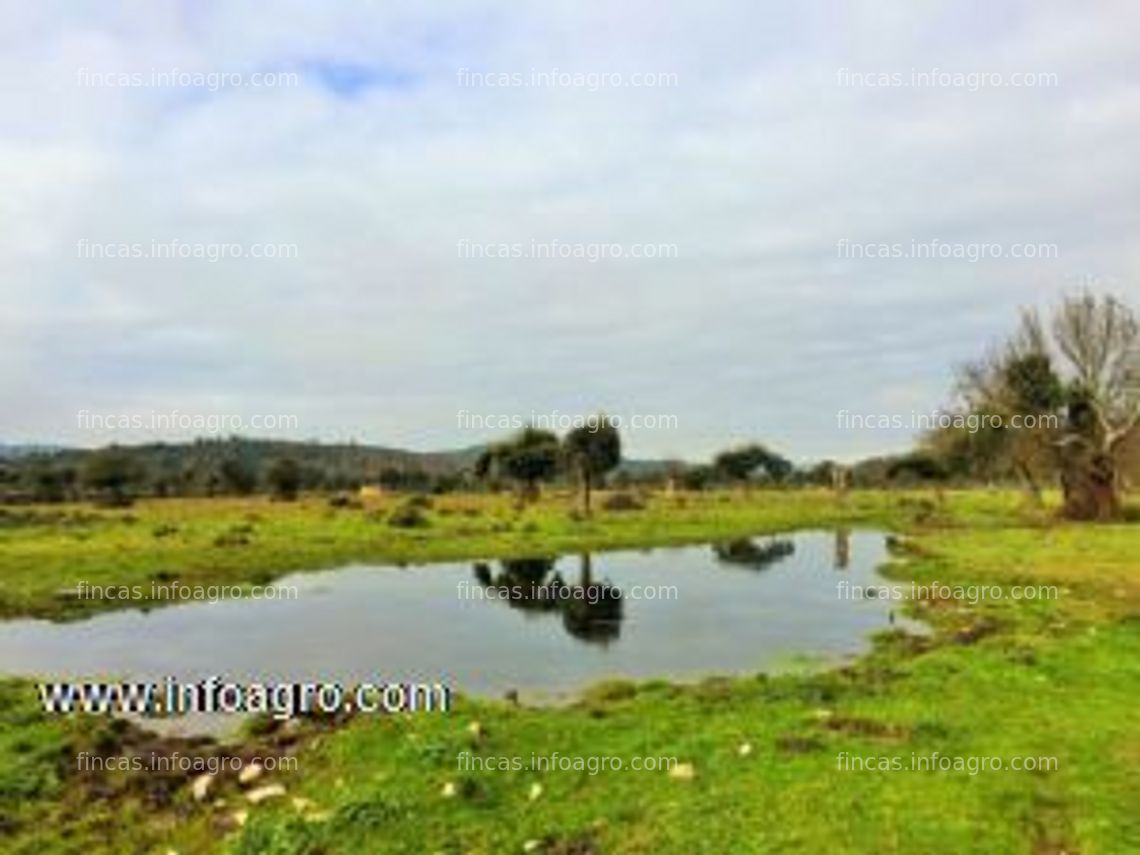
528	493
1031	485
1090	487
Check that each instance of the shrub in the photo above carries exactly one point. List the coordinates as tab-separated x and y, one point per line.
623	502
237	535
408	515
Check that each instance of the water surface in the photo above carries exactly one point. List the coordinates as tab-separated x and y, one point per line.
733	608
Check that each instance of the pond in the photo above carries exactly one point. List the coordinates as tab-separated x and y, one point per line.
542	627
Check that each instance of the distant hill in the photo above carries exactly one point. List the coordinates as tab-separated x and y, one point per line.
358	456
639	469
360	460
197	467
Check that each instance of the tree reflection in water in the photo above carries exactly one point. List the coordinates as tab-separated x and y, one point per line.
842	548
591	611
747	552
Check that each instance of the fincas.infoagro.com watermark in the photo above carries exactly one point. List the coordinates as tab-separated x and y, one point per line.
176	78
557	421
939	250
971	764
972	594
937	78
556	250
593	594
939	420
206	423
175	761
555	78
178	250
467	761
179	591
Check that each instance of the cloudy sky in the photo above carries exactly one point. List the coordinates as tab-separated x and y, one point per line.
364	144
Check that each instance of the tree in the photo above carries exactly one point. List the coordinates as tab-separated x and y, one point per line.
741	464
1100	341
917	466
110	472
1079	378
284	478
1012	382
697	477
50	482
528	458
238	475
592	450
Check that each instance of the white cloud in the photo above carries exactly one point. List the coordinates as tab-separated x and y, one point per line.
755	164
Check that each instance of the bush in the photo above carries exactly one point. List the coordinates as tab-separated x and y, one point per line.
237	535
284	478
408	515
623	502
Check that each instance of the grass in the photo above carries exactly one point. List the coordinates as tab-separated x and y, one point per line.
1055	678
46	552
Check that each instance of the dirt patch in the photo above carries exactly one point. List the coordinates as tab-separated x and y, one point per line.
583	844
867	727
125	762
792	743
976	631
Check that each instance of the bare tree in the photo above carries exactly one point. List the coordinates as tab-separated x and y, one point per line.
1080	378
1100	342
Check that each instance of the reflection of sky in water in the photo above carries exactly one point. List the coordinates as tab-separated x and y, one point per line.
737	609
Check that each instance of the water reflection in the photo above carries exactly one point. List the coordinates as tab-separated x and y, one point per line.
590	611
707	616
842	548
747	552
596	615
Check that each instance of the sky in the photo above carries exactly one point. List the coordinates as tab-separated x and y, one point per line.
294	212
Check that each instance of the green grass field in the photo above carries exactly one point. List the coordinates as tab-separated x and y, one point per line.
46	552
768	761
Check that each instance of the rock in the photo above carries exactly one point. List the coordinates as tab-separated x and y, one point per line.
532	845
683	772
269	791
200	788
301	804
249	774
240	817
449	790
745	749
535	791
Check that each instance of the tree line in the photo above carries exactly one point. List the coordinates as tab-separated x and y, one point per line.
1075	370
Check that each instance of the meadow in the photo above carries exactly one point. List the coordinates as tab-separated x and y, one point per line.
46	551
771	763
